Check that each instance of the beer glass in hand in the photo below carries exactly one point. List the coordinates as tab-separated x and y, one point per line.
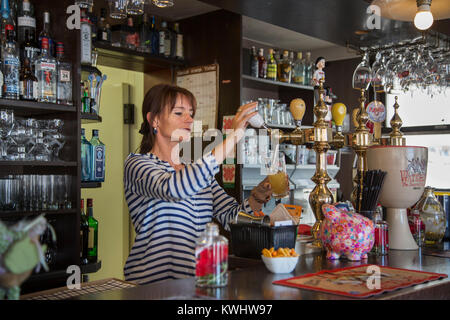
275	168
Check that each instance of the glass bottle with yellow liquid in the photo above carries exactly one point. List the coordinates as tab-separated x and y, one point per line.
271	66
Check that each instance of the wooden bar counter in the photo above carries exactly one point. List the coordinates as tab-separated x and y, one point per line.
250	280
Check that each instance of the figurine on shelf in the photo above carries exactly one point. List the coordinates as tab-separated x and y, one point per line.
319	74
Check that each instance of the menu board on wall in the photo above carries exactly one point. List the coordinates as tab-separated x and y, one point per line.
203	82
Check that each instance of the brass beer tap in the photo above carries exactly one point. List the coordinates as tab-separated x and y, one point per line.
319	136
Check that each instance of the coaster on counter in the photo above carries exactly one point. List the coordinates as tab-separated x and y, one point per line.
360	281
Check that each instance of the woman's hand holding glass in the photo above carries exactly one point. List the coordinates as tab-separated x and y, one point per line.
239	123
260	195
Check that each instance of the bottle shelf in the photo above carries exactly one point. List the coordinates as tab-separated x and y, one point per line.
61	272
91	267
89	185
90	118
123	58
248	79
39	163
291	166
22	214
31	108
91	69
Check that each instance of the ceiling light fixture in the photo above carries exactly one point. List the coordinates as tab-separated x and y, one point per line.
424	18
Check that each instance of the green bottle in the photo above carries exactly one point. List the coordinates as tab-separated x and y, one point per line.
93	234
84	235
271	66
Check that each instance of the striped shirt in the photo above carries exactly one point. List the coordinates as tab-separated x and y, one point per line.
169	210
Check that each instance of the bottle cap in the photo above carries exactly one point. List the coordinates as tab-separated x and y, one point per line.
89	202
95	132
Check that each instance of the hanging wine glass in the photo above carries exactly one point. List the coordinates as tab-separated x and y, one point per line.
135	7
118	9
376	77
362	74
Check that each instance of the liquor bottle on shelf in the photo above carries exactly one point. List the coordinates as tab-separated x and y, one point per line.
173	42
85	100
97	158
29	49
309	69
94	22
254	65
25	22
11	66
145	35
285	71
85	158
164	40
86	39
64	81
92	255
46	74
84	235
291	60
1	79
103	33
298	70
262	64
45	33
132	38
271	66
179	51
28	82
6	19
154	47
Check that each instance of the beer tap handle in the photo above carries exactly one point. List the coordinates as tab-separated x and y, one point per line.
297	108
338	111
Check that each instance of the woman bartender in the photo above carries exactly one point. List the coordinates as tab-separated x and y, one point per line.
170	203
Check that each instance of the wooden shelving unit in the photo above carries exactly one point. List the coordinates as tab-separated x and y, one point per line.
90	185
90	118
249	79
128	59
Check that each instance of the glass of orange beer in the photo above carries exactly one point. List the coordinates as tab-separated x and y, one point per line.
275	168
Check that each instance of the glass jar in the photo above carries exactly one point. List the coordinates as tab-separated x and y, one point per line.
432	214
417	227
211	255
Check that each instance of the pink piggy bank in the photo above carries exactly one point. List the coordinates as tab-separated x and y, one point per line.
345	233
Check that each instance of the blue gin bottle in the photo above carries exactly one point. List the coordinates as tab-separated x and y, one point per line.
97	158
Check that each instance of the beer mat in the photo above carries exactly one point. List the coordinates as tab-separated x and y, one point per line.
86	288
436	253
360	281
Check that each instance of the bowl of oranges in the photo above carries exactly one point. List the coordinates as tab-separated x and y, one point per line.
282	260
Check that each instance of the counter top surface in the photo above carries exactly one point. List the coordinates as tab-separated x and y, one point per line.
254	281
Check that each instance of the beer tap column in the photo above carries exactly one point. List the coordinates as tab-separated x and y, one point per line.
361	141
321	194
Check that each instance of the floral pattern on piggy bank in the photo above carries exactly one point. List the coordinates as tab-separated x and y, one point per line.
346	233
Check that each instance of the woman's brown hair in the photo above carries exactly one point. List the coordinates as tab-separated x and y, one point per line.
157	99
